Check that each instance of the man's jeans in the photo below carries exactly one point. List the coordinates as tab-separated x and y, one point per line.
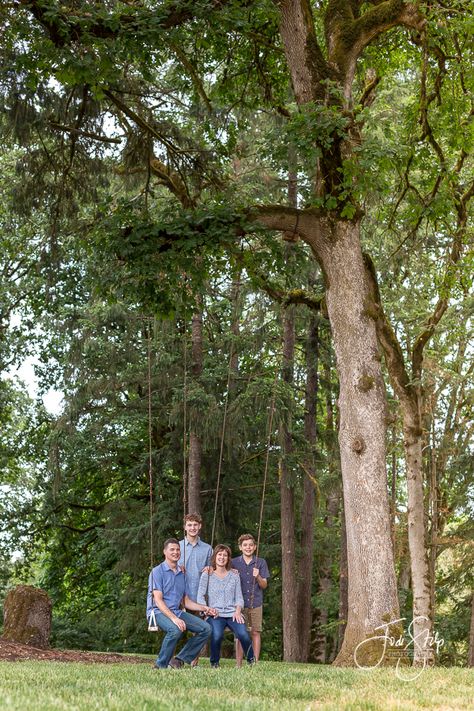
192	647
218	626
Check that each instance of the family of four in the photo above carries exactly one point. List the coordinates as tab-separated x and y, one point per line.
195	579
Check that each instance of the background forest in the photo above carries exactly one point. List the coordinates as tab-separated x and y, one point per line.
192	342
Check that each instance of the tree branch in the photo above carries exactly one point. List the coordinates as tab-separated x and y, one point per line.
87	134
81	530
172	181
284	218
397	371
445	288
347	37
195	78
285	298
368	95
139	120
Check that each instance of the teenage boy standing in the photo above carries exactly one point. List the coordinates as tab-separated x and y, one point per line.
254	576
166	594
195	555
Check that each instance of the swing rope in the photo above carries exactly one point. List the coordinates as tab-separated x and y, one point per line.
221	451
152	626
265	475
185	434
221	456
150	446
185	422
267	459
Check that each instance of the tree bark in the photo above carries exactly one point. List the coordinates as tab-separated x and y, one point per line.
305	567
362	406
27	616
420	574
393	492
288	523
410	398
434	527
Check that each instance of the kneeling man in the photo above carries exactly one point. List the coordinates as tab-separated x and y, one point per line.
166	594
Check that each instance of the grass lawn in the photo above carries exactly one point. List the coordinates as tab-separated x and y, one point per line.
41	686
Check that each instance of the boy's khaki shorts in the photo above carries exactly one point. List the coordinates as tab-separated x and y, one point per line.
253	617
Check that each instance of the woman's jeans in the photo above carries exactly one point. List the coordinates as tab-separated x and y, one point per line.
218	625
192	647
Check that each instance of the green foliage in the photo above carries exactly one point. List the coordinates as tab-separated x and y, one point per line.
156	260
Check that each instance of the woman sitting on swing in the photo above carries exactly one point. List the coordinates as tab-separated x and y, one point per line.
223	591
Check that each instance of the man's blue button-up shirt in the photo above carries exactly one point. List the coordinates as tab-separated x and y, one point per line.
171	583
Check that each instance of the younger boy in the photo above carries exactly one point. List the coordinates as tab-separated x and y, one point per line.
254	576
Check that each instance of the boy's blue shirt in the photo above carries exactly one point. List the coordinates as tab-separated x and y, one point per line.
247	579
194	558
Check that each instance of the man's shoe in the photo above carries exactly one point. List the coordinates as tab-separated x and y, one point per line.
175	663
215	666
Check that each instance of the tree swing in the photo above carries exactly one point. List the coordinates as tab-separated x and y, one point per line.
152	626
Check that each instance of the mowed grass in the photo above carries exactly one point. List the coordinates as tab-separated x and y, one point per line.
45	686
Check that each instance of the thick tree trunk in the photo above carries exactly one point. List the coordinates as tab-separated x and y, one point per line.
337	247
194	473
434	523
362	406
195	446
288	523
305	568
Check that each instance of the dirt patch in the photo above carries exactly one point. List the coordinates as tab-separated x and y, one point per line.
13	652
